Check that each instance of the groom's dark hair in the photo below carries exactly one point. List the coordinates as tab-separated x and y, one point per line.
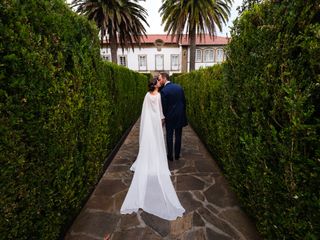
166	75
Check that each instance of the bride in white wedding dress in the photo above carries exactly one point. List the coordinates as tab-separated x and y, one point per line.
151	188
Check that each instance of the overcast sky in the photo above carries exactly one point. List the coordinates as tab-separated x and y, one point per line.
154	19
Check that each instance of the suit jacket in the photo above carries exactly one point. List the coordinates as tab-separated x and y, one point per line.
174	105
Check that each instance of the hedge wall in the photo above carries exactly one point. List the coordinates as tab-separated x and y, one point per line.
61	112
259	114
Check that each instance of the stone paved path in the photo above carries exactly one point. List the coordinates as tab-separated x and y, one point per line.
212	211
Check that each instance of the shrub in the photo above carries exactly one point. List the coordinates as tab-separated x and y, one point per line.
174	76
260	116
62	111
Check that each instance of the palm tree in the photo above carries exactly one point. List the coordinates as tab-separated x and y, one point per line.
120	20
196	17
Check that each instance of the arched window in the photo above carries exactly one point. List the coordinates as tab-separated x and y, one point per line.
174	62
220	55
198	55
208	55
159	61
142	60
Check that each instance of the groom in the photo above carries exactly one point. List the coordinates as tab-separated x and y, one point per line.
174	109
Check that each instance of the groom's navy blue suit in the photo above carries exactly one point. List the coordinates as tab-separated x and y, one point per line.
174	109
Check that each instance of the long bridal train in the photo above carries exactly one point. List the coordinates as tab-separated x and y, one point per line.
151	188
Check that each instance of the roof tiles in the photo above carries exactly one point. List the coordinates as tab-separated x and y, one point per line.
206	40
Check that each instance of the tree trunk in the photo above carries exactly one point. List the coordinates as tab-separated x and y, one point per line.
114	48
192	36
102	35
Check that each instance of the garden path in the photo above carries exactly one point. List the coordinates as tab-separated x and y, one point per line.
212	209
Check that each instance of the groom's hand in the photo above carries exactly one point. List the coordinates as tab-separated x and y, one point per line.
163	121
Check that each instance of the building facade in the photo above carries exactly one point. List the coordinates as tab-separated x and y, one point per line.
158	53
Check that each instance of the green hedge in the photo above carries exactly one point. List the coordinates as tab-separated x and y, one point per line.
259	114
62	110
173	76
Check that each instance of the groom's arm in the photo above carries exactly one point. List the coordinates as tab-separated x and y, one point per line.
164	103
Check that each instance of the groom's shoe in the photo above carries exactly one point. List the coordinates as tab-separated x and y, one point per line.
170	158
177	157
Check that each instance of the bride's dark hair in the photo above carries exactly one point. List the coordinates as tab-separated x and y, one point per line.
152	84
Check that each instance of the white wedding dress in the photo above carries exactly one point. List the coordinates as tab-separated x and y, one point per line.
151	188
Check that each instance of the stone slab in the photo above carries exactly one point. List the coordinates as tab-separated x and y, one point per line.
212	210
96	224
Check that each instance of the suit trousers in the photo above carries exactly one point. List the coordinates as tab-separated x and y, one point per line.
177	144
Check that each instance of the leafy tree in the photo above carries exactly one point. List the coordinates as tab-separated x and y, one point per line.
247	4
120	20
195	17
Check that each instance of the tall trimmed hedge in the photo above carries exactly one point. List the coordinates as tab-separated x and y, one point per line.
62	110
259	114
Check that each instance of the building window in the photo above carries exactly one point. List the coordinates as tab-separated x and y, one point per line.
208	55
104	54
174	62
159	62
123	60
106	58
198	55
220	55
142	60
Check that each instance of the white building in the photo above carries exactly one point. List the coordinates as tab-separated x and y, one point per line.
159	53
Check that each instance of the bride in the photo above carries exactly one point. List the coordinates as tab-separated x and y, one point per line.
151	188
